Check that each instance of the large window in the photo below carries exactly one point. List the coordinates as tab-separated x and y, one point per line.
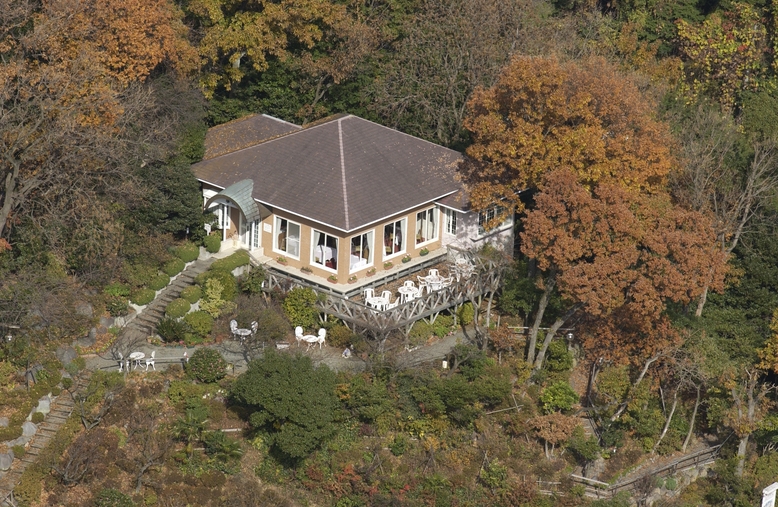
287	237
450	224
426	226
394	238
325	250
361	251
488	215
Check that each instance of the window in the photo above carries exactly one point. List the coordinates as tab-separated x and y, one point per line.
486	216
426	226
287	239
255	231
361	251
394	241
450	223
325	250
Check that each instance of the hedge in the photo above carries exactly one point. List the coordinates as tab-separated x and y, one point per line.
193	293
200	323
159	282
187	252
142	297
236	260
173	267
212	243
177	308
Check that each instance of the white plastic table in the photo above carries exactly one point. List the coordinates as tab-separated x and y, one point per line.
136	357
243	333
408	293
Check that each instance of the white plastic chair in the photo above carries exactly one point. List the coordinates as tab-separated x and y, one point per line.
254	327
233	327
150	361
298	334
433	272
423	284
409	283
393	305
369	293
121	361
322	335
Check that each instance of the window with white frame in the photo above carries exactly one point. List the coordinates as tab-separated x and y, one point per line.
255	232
325	250
394	238
450	221
426	226
488	215
361	251
287	237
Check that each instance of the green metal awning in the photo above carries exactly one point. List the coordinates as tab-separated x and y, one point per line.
241	193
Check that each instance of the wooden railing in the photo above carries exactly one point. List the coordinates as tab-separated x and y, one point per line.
603	490
485	279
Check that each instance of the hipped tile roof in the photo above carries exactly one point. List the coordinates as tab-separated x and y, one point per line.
345	172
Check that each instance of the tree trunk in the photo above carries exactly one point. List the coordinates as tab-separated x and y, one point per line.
542	304
551	333
667	422
691	424
741	454
635	384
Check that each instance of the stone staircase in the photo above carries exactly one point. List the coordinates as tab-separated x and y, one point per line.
146	322
61	408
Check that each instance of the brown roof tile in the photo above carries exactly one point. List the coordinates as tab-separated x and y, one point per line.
244	132
345	172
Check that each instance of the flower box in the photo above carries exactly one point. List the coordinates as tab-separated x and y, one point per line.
282	260
423	251
332	278
306	270
388	265
406	258
352	279
370	272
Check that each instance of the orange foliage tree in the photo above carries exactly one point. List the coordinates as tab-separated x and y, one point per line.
619	256
544	114
70	93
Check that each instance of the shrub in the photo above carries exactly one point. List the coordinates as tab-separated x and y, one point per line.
139	275
212	243
558	357
173	267
465	314
252	282
300	307
340	336
182	390
229	287
291	400
212	302
116	305
399	445
110	497
37	418
159	282
207	366
187	252
117	289
200	323
239	258
193	293
142	297
19	451
171	330
177	308
558	396
420	333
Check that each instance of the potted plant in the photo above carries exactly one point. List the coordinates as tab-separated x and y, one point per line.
424	251
352	279
333	278
406	258
370	272
282	260
388	265
306	269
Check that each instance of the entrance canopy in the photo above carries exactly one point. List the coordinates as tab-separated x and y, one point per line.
241	193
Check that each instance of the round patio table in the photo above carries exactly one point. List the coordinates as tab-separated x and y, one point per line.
136	357
408	293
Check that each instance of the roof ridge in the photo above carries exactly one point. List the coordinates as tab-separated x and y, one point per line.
405	134
343	172
248	117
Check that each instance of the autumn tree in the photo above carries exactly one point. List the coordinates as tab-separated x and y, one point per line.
75	106
726	54
619	257
544	114
725	175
